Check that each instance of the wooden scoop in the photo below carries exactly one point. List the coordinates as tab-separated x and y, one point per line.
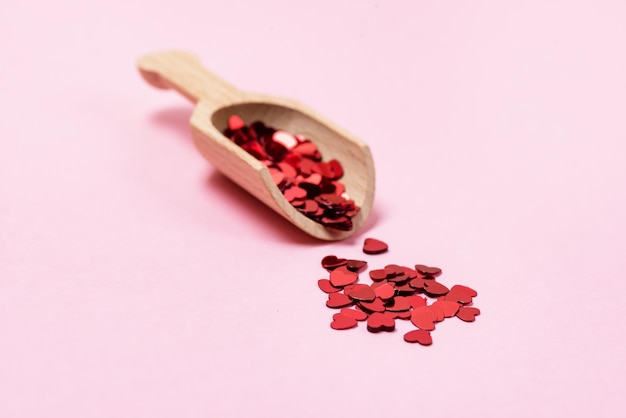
216	100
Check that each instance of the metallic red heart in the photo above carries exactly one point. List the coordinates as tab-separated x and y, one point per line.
378	322
374	246
418	336
341	321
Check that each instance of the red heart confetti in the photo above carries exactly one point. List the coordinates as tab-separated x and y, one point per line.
235	122
355	313
422	317
399	279
468	314
376	306
365	294
386	291
399	304
401	315
285	138
331	262
326	287
341	276
396	292
448	307
428	271
374	246
356	265
378	322
410	273
341	321
404	290
438	311
434	288
296	167
352	287
416	301
294	193
461	294
377	275
338	300
393	270
418	336
376	285
418	283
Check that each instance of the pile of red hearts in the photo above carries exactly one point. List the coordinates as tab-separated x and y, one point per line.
295	164
396	292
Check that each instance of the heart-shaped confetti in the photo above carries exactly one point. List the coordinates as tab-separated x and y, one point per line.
294	193
378	275
404	290
433	288
364	294
461	294
438	311
356	265
235	123
341	321
354	313
422	317
393	270
352	287
288	170
376	285
378	322
376	306
331	262
428	271
285	138
277	176
394	292
416	301
297	169
336	168
401	315
341	276
399	304
418	336
448	307
467	313
418	283
338	300
306	148
374	246
326	287
410	273
386	291
399	279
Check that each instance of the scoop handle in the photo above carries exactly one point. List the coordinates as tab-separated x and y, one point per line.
184	73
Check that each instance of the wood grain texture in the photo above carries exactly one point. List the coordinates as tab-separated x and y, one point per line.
216	100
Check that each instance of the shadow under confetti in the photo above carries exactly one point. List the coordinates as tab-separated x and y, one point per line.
177	118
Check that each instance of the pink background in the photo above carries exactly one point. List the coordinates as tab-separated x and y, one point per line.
135	281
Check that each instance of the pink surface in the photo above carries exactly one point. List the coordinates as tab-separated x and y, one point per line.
135	281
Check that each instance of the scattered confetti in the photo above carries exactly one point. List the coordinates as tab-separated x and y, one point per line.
381	321
342	321
374	246
396	292
331	262
418	336
468	314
